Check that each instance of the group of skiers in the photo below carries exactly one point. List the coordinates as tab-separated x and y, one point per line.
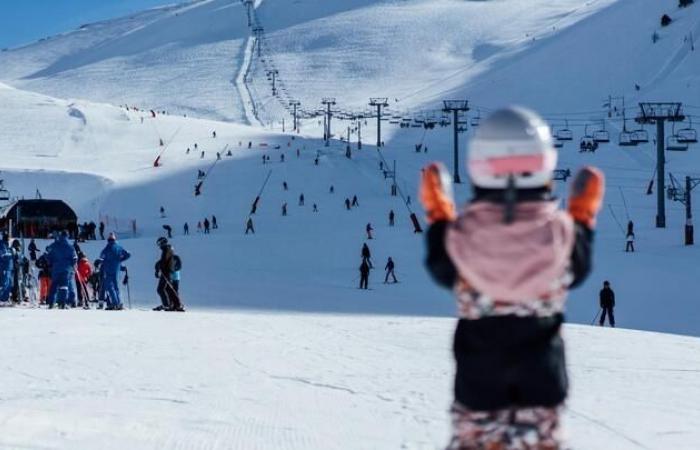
65	276
203	226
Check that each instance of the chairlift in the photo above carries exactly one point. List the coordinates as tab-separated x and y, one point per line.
565	134
640	136
558	144
687	135
602	136
476	120
673	144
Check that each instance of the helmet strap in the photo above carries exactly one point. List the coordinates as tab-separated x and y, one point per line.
511	197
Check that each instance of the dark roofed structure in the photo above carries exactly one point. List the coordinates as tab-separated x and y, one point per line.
38	218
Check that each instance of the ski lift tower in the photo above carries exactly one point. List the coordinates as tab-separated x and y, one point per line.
272	74
295	104
379	102
258	32
249	5
659	113
328	101
456	106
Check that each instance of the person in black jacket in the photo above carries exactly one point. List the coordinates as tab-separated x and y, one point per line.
389	268
364	274
510	379
164	270
607	304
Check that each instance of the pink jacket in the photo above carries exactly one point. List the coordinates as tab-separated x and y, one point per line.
512	263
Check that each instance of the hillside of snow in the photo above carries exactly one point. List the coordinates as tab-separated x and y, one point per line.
83	380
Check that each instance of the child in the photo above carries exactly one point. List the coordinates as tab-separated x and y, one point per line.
510	258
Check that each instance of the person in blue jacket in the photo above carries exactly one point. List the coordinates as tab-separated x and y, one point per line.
112	258
62	259
6	269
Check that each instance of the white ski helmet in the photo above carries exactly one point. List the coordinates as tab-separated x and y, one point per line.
512	142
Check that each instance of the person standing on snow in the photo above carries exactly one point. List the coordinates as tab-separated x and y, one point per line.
364	275
82	275
62	259
607	304
112	256
354	201
510	382
391	218
6	269
32	250
206	225
186	229
629	247
369	230
347	204
366	255
214	224
249	226
389	268
165	267
284	209
301	200
102	230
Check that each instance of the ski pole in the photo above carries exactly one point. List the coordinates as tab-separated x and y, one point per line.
596	317
126	282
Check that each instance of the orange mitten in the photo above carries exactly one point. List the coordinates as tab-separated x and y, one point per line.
586	195
436	193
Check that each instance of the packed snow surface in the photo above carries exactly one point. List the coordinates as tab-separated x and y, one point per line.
137	380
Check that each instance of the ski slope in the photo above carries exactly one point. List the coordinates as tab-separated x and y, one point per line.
82	380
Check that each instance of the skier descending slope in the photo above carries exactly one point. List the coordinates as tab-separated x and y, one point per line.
510	257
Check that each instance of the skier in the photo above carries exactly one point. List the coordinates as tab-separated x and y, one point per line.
21	267
213	134
112	256
162	212
214	224
82	275
607	304
199	227
6	269
201	155
366	255
249	226
315	208
44	278
282	157
94	282
630	242
218	156
354	201
187	152
285	186
347	204
511	381
369	230
168	229
301	200
32	250
206	225
186	229
391	218
332	189
164	269
389	268
364	274
61	258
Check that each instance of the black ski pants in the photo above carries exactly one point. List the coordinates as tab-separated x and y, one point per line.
168	295
364	281
607	310
390	273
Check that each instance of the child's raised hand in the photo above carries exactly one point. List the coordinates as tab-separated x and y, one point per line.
586	196
436	193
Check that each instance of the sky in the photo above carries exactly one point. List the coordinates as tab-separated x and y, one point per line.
24	21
